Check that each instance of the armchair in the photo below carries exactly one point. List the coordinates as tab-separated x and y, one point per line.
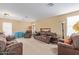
28	34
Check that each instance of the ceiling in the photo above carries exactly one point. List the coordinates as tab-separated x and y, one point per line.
35	11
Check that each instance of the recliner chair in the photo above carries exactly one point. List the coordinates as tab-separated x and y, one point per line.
28	34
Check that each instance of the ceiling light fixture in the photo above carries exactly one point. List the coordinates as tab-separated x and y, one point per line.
26	17
6	14
50	4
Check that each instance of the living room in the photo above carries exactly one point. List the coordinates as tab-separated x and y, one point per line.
38	28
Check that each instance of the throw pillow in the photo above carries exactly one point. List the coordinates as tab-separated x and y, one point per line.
67	41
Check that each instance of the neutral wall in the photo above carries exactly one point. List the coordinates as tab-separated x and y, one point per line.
55	23
16	25
47	23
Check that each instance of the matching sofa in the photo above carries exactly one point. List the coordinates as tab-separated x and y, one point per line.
11	47
69	49
46	36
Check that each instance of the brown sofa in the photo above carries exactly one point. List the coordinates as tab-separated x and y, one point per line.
46	36
10	47
69	49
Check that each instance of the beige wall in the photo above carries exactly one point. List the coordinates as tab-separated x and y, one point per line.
52	22
55	22
47	23
16	25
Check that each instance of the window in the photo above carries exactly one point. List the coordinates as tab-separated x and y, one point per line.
70	23
7	28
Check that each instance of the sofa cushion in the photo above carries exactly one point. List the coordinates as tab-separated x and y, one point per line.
11	42
38	33
45	33
54	35
10	38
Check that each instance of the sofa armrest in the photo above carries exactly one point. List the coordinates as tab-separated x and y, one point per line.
15	48
66	49
60	40
11	42
60	44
